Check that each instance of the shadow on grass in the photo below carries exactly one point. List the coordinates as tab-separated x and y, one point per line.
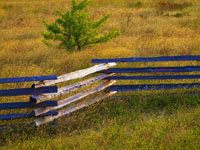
120	107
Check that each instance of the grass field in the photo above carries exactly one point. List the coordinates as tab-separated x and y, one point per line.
142	120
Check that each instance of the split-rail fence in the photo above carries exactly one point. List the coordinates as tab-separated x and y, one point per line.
42	92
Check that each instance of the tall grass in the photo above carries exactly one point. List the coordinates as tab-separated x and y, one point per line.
149	28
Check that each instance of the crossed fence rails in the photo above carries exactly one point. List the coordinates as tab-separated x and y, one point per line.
42	92
48	110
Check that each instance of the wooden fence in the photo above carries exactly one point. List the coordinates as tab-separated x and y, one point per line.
153	70
42	93
27	91
46	111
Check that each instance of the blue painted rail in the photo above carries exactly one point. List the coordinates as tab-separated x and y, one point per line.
27	79
21	105
150	59
147	87
174	77
27	91
152	70
25	115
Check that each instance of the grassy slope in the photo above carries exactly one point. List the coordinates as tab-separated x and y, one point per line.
164	121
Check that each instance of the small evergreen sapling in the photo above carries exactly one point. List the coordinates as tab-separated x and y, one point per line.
75	29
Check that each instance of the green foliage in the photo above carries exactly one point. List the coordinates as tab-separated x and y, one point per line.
75	29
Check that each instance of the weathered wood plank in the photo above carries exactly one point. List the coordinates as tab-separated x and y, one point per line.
146	87
73	108
28	91
25	115
76	97
75	75
27	79
153	69
21	105
150	59
67	89
174	77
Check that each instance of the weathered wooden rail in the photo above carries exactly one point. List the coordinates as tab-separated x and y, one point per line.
47	110
66	105
42	93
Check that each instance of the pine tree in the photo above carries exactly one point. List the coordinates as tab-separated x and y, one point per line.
75	29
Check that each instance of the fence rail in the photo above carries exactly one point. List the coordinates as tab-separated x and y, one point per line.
74	98
25	115
153	69
76	74
22	105
75	107
147	87
150	59
27	79
172	77
28	91
68	89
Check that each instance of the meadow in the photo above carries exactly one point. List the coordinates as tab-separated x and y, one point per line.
130	120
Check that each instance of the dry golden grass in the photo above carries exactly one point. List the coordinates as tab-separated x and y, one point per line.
149	28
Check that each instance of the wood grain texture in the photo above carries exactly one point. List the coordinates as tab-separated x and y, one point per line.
73	108
75	75
76	97
67	89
